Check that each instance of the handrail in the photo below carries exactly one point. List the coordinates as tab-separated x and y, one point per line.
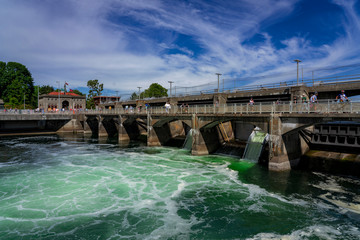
321	107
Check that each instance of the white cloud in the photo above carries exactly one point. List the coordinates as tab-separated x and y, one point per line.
125	43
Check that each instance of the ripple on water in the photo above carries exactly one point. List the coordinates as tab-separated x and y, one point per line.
57	189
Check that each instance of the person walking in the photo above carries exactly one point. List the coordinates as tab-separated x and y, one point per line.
313	101
342	97
251	104
167	107
304	102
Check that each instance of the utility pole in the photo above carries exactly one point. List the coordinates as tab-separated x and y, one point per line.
171	82
218	74
139	91
38	96
302	75
313	77
297	75
58	82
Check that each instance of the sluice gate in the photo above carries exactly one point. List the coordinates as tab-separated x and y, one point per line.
335	136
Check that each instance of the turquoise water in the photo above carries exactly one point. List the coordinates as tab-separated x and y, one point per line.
73	188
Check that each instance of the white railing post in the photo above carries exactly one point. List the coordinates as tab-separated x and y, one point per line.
351	107
241	107
196	109
247	109
328	108
260	108
274	107
291	106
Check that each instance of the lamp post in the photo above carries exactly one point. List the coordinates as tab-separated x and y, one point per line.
24	97
171	82
297	72
139	91
58	82
38	96
218	74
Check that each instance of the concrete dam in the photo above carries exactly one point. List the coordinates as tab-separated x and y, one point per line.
291	136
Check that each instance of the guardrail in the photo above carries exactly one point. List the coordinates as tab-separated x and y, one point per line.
321	107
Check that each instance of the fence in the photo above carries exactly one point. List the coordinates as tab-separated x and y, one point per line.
321	107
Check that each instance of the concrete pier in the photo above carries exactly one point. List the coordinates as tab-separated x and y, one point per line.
287	131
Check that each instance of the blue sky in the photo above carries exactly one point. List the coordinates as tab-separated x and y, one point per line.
131	43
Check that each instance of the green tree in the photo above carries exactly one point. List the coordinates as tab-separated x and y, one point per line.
15	83
155	90
134	96
95	89
46	89
77	92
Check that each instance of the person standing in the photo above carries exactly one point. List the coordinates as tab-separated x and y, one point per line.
167	107
314	101
251	102
304	106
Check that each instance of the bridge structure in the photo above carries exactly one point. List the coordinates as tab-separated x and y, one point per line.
293	128
327	88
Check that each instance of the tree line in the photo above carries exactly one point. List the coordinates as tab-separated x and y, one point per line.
155	90
17	85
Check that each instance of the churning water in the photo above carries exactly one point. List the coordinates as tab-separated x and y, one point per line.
68	188
254	145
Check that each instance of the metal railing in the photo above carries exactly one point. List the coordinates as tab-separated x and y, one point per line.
321	107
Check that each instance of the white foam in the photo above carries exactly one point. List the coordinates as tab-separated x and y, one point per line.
316	231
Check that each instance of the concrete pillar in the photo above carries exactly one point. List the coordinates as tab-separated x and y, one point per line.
123	135
220	98
199	146
152	138
87	129
298	91
102	131
279	160
73	126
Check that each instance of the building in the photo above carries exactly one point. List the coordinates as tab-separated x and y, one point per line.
67	101
105	101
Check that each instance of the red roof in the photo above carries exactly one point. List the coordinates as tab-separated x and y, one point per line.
62	93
